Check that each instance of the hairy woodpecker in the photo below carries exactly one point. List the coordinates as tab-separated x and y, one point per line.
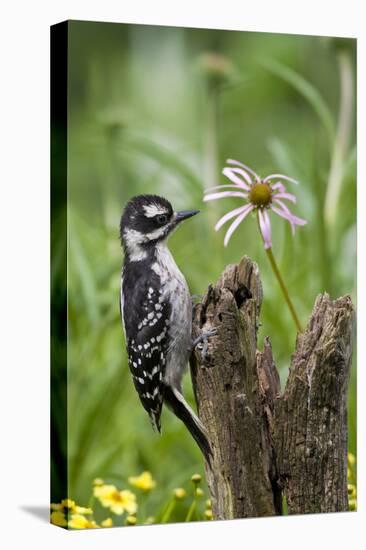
156	311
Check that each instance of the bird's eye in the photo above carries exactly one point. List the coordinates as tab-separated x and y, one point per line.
162	219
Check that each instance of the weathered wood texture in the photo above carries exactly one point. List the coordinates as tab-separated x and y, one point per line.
311	417
230	399
263	442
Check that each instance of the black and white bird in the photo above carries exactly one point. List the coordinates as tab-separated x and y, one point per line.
156	311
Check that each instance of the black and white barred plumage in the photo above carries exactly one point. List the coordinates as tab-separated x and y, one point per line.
146	321
156	311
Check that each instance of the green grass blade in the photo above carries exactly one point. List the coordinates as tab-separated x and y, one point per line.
307	90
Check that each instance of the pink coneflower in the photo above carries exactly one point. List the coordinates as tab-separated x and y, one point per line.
263	195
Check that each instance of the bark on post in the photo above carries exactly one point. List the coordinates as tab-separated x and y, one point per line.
263	441
311	417
229	397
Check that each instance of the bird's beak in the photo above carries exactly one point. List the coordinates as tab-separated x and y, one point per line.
184	215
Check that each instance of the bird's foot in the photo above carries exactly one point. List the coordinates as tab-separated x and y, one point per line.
201	342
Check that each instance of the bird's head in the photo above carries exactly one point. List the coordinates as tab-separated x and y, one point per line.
146	221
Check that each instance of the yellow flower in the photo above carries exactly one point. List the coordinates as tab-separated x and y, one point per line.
180	493
196	478
208	514
107	522
208	503
98	481
58	518
58	507
82	510
118	501
199	492
78	521
352	504
351	459
144	481
131	520
68	503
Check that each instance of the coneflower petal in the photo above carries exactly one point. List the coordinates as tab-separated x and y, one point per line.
281	177
236	223
265	227
232	161
299	221
284	215
288	196
232	186
223	195
232	214
279	186
286	211
282	204
231	174
294	220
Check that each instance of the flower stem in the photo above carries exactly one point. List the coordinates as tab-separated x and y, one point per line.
191	511
168	511
286	295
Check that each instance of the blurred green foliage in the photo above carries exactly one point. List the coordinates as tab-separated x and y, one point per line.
149	112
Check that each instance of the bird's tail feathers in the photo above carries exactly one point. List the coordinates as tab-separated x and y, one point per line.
176	402
155	420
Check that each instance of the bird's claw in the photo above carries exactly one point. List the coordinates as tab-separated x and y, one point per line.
201	342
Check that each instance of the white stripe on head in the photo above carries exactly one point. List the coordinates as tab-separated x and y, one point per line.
152	210
133	239
157	234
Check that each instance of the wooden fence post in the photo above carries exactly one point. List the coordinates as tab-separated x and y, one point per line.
264	442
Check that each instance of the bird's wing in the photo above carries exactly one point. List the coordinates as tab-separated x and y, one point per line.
146	314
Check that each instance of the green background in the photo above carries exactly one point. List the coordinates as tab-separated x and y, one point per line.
158	110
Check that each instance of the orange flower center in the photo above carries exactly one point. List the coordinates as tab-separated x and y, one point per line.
117	497
260	194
